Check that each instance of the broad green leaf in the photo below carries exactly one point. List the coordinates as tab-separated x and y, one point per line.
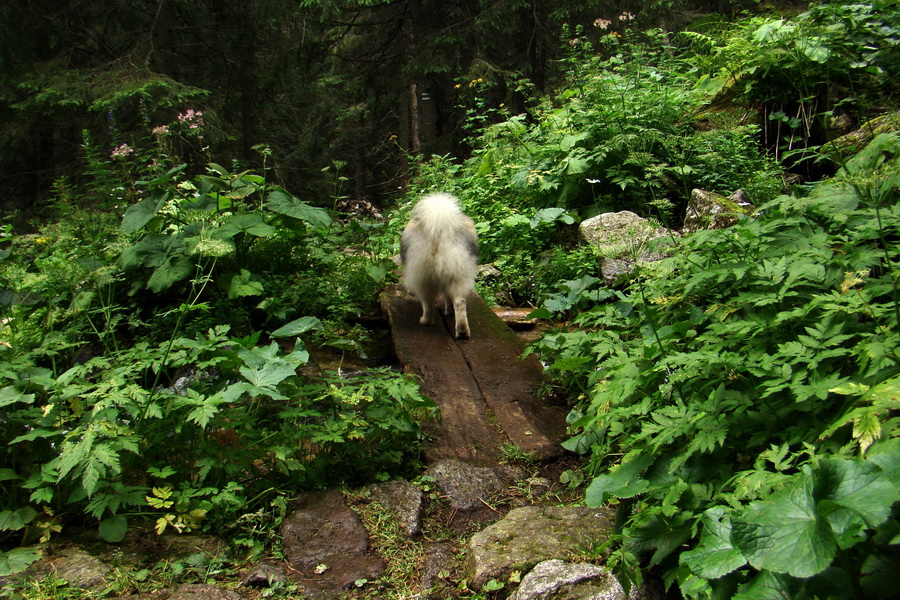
251	223
141	213
539	313
765	586
570	141
814	48
785	533
283	203
576	165
376	272
623	482
550	215
152	251
17	560
514	221
165	178
773	30
35	434
886	454
219	169
269	375
10	395
8	475
13	520
169	273
711	85
298	326
714	556
242	284
113	529
857	485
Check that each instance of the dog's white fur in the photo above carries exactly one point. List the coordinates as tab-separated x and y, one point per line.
439	250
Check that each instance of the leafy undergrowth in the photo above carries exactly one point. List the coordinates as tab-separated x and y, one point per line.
155	366
739	401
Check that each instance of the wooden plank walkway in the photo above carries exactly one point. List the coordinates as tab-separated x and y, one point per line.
486	393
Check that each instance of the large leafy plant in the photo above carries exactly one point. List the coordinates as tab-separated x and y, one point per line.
187	226
237	428
117	408
749	395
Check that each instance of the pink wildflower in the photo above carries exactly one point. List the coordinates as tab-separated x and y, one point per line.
192	118
602	24
161	130
122	151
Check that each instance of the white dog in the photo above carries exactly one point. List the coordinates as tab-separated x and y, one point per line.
439	250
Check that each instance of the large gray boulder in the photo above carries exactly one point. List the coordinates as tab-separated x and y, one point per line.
624	240
708	210
533	534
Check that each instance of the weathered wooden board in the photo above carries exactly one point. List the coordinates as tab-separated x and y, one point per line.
509	384
485	393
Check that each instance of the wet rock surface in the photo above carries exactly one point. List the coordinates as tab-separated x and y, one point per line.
326	545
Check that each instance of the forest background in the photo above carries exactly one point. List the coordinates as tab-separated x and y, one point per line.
196	193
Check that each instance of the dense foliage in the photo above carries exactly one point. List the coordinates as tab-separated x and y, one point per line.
737	401
746	390
157	366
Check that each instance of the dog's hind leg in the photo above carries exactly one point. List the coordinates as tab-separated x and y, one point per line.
461	317
427	311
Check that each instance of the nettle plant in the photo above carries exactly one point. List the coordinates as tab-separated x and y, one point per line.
740	406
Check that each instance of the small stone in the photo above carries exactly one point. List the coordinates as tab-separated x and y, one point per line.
404	500
466	487
79	569
264	575
549	577
202	592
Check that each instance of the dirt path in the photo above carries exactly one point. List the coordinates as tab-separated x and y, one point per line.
486	393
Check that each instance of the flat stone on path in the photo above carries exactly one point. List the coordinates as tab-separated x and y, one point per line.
483	388
403	500
466	487
532	534
326	545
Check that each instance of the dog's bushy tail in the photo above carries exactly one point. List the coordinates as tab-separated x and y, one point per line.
439	216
